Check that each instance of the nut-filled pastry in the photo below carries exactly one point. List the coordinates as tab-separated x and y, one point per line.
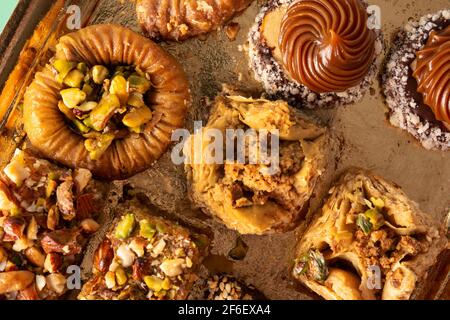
315	53
417	80
180	20
243	194
369	241
46	217
108	101
145	257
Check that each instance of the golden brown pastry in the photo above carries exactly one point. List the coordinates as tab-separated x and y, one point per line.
145	257
104	148
243	194
47	214
369	241
182	19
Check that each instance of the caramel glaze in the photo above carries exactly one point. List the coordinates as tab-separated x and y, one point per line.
432	72
326	45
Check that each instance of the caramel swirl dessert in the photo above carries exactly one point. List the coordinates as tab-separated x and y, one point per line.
315	53
145	257
417	80
369	241
244	194
180	20
327	45
432	72
47	215
108	102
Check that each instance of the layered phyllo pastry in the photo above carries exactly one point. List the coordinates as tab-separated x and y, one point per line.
46	217
180	20
315	53
145	257
273	158
108	101
417	80
369	241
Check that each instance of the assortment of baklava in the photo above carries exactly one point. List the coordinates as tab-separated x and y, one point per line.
106	105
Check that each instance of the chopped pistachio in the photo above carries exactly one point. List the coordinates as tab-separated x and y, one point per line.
66	111
87	106
146	229
375	217
161	228
166	284
137	117
104	111
136	100
98	146
99	74
87	88
82	67
121	276
119	87
73	97
74	78
317	265
139	84
377	202
364	224
80	126
63	67
125	226
153	283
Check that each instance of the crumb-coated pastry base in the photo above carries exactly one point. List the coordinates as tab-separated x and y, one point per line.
151	259
108	45
46	218
227	287
241	195
180	20
277	83
365	224
407	110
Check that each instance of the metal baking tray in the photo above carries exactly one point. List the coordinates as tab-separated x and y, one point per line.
361	134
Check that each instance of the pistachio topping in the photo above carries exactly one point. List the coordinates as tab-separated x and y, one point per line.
99	101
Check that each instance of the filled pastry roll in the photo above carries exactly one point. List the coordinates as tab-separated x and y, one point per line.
180	20
369	241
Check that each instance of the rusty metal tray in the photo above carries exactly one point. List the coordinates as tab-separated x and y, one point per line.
361	134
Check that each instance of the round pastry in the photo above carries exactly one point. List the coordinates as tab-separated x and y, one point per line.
108	102
417	80
256	197
317	53
369	241
180	20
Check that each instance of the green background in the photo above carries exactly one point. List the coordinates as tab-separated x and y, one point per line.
6	9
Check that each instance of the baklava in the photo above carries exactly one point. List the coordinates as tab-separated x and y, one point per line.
369	241
256	197
107	102
145	257
47	214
